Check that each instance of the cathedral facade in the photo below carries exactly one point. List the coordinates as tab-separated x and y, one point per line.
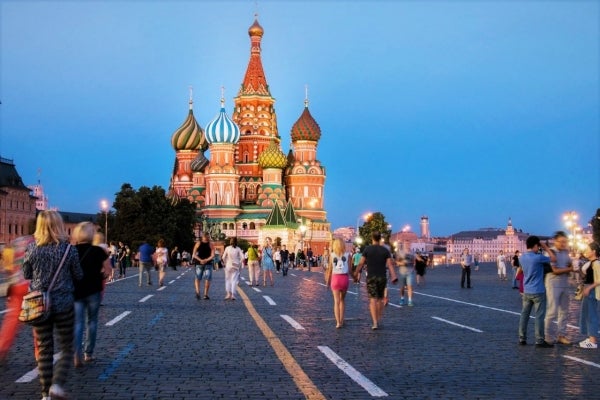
248	188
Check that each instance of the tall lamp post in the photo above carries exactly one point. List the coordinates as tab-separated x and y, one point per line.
104	206
570	219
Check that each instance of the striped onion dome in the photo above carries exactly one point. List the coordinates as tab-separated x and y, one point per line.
199	163
222	129
306	128
272	157
189	136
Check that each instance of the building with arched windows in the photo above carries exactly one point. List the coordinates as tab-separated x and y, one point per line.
249	188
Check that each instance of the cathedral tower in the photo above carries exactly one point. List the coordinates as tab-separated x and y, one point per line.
255	115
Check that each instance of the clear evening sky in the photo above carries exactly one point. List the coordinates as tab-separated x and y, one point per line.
469	112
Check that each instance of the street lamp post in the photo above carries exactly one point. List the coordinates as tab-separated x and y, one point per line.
570	219
104	206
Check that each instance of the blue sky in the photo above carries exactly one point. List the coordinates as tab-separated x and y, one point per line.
469	112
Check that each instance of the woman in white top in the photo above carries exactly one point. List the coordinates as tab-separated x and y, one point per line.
233	258
501	266
161	261
340	279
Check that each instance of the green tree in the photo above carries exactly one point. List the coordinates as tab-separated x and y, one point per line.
595	222
147	214
375	223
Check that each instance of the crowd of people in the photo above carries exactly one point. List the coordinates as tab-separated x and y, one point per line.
82	263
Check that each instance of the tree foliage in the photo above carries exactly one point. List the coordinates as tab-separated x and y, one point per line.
375	223
147	214
595	222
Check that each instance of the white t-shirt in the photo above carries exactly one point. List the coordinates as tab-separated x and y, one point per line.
233	257
340	263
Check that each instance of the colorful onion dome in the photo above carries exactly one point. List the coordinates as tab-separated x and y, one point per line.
189	136
222	129
272	157
199	163
306	128
255	29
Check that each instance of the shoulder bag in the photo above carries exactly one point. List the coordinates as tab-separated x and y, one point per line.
35	308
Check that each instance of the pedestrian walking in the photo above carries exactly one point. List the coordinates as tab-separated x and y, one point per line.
202	256
534	292
588	320
285	260
501	265
145	262
88	292
466	260
515	266
253	265
40	266
233	258
420	267
16	287
558	290
339	280
162	259
406	277
267	262
379	262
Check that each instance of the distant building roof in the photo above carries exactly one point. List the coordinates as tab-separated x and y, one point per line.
485	234
75	218
9	177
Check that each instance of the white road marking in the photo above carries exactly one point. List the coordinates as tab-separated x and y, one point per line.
173	281
143	299
161	288
356	376
33	374
469	304
118	318
292	322
257	289
269	300
459	325
583	361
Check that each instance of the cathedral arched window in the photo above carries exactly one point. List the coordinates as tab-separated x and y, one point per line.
231	226
244	226
224	225
246	157
252	226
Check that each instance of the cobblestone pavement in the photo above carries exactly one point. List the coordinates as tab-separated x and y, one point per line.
281	343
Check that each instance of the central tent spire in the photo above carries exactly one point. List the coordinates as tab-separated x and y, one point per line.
255	81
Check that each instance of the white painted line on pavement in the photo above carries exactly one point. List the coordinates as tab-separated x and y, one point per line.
395	305
248	283
469	304
118	318
356	376
293	275
143	299
269	300
173	281
161	288
459	325
257	290
583	361
292	322
33	374
5	311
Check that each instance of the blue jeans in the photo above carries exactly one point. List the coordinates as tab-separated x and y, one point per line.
538	302
86	314
588	319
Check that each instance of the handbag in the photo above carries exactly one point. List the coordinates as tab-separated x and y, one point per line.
35	308
579	292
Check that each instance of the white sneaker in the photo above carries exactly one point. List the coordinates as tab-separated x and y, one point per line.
587	344
46	398
58	393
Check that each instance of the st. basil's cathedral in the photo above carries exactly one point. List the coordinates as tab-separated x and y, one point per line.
249	188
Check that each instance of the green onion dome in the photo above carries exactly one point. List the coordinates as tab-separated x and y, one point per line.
189	136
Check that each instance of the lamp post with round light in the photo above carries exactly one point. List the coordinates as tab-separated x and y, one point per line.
104	206
570	220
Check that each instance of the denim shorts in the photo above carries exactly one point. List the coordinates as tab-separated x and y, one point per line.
406	278
204	271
